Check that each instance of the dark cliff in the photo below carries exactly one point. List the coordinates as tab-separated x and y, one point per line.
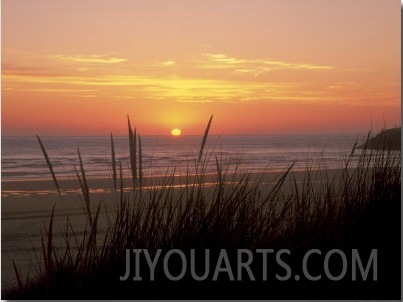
389	139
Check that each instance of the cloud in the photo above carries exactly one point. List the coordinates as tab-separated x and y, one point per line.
168	63
103	59
159	64
222	83
195	90
181	89
254	67
222	58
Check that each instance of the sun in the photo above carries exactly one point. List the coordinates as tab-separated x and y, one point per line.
176	132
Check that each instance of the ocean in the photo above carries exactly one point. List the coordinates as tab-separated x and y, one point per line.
22	158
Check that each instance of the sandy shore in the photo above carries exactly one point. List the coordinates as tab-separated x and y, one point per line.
26	206
26	197
68	186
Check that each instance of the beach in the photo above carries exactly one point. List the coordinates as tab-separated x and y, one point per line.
27	206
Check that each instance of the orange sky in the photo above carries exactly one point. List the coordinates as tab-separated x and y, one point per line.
78	67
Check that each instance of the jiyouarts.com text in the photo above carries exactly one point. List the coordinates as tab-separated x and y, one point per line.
245	264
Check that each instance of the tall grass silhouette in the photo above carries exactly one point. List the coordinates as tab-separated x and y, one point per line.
353	209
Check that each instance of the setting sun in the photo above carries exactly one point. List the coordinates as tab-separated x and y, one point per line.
176	132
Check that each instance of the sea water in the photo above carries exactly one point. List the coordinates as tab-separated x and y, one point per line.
22	157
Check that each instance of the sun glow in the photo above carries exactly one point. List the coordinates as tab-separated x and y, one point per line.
267	85
176	132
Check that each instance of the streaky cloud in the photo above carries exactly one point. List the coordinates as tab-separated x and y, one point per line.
255	67
103	59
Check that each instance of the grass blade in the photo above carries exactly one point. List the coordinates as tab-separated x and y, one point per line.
114	175
84	187
50	241
17	276
140	165
205	138
45	154
121	182
133	151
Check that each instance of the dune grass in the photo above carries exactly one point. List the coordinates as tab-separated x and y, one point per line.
355	209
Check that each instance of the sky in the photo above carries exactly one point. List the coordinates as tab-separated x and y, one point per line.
79	67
